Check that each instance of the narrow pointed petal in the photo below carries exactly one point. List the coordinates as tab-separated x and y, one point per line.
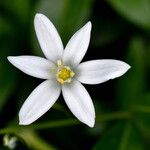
33	66
48	38
39	102
98	71
77	46
79	102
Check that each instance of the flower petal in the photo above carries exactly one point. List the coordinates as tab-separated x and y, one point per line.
48	38
39	102
79	102
98	71
77	46
34	66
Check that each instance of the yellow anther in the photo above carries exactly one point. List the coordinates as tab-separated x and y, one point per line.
60	81
64	73
59	63
72	73
68	80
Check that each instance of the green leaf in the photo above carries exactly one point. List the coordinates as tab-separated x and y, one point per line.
67	15
123	136
105	31
7	74
5	26
132	89
133	84
104	34
17	8
137	11
34	141
142	112
7	81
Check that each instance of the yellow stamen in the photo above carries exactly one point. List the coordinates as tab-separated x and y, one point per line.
60	81
64	73
72	73
59	63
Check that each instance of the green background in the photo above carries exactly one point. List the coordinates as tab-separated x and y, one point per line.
120	30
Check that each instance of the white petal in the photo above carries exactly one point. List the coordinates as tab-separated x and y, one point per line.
48	38
77	46
98	71
34	66
39	102
79	102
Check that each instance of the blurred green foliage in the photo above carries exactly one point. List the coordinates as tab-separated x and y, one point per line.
121	30
137	11
122	136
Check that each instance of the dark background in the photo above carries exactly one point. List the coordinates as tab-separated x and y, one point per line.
120	30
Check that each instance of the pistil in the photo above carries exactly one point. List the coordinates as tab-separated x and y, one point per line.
64	73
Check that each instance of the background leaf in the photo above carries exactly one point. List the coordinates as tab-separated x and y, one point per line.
137	11
135	81
7	76
121	137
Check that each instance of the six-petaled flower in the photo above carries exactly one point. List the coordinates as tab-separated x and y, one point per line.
63	72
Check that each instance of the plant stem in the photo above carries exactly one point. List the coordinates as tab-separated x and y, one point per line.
34	141
114	116
141	109
66	122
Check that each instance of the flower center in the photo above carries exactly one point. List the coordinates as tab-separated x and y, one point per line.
64	73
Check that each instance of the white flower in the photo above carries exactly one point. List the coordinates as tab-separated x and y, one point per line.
63	72
10	142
